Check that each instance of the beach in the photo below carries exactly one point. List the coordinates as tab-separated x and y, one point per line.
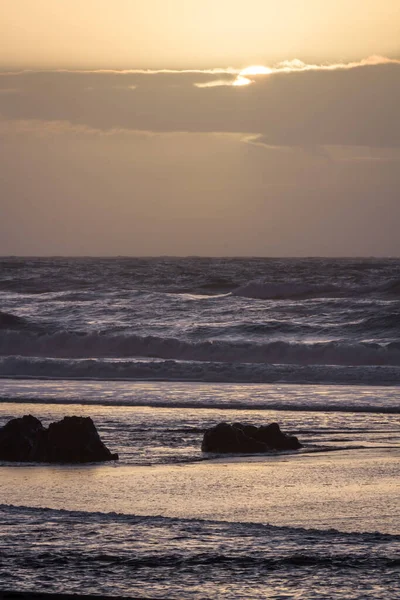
168	517
157	351
352	491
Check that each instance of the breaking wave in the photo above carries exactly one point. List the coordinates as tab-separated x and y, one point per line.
96	345
121	554
274	291
10	321
19	367
260	530
291	290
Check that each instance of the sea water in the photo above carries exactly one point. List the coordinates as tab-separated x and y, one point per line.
157	350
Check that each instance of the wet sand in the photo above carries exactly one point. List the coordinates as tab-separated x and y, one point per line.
349	490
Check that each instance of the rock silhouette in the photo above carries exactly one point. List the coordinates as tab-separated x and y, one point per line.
71	440
247	439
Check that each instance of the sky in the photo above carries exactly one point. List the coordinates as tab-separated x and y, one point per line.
145	127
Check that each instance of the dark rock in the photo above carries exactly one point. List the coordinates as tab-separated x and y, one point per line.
19	438
75	439
230	438
72	440
273	437
247	439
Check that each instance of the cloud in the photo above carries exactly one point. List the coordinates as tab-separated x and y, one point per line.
43	129
288	66
249	74
283	66
289	104
216	83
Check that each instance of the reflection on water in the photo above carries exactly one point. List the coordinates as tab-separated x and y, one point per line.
349	490
169	521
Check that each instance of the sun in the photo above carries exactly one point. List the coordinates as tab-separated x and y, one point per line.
256	70
244	74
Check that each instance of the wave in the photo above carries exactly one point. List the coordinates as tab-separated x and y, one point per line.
245	406
256	529
263	290
212	286
251	328
175	371
221	561
65	344
392	287
79	552
371	324
279	291
378	324
10	321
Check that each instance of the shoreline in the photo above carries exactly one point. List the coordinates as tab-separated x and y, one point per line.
278	396
213	381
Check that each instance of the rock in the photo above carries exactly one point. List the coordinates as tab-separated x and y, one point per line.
274	438
75	439
72	440
19	439
247	439
230	438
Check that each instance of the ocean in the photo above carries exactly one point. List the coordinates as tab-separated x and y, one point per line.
156	350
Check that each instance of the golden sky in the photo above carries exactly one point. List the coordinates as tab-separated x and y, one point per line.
193	33
136	127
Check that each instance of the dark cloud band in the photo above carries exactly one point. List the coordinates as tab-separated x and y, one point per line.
293	103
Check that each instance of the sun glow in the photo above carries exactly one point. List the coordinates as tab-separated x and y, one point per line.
256	70
241	81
